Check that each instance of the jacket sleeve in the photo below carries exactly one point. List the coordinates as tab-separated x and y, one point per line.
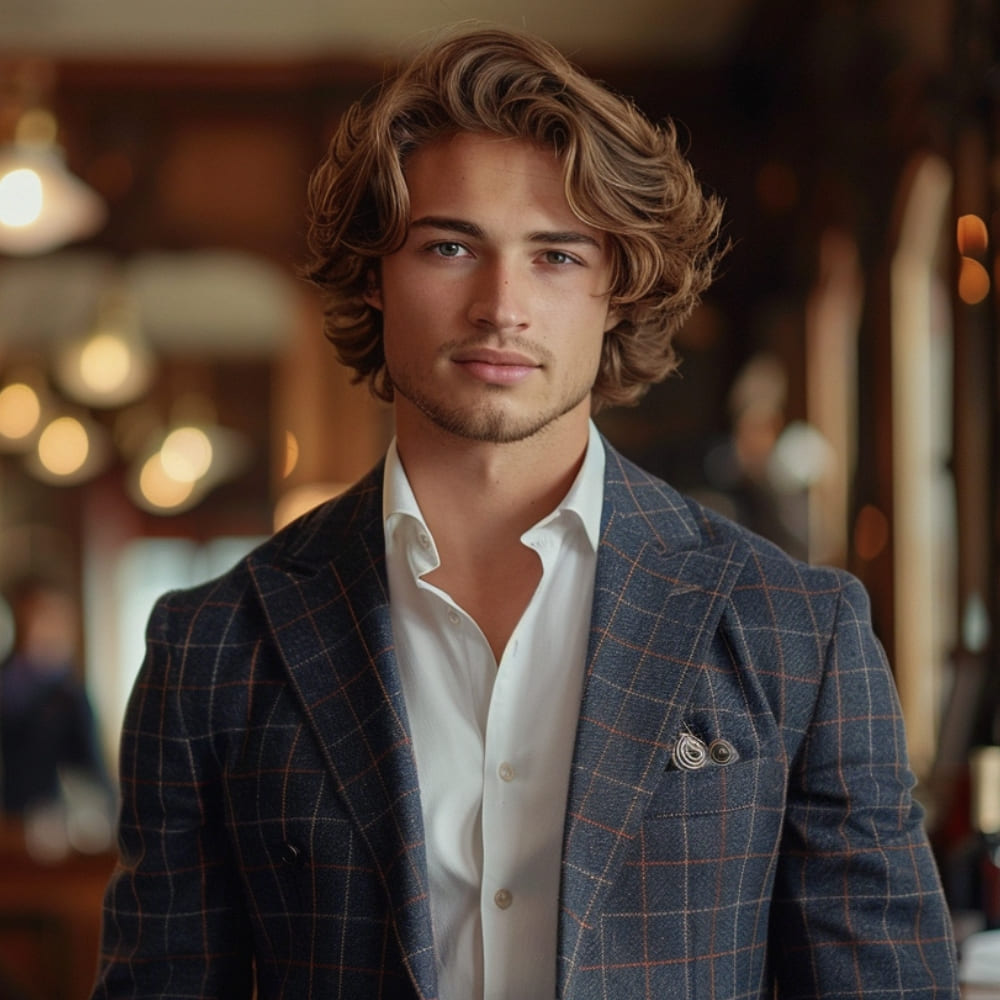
858	908
174	921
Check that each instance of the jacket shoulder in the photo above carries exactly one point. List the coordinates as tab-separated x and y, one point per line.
303	545
681	521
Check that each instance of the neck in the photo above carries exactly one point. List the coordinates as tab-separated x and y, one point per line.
466	486
478	499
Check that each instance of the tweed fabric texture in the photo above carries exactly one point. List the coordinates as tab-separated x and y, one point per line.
271	834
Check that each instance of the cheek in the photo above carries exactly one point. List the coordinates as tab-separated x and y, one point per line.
592	326
598	353
411	300
411	326
587	306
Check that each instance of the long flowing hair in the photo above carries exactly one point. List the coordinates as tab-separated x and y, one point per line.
623	175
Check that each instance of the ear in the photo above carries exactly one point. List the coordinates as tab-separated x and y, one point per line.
373	291
613	318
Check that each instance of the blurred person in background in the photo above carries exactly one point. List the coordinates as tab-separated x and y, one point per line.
52	774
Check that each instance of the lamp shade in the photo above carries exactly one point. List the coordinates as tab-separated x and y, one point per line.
42	205
111	363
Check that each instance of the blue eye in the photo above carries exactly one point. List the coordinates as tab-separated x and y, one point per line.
560	257
449	249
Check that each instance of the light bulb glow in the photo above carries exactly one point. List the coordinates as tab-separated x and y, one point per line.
186	454
160	489
291	454
64	446
20	411
42	205
105	363
21	198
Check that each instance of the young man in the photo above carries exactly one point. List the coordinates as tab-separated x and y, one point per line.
512	719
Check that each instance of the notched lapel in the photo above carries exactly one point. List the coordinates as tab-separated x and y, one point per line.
330	621
657	604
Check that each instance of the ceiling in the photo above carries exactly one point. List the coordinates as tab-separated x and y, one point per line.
685	30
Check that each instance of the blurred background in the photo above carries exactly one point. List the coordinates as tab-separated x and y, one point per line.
167	398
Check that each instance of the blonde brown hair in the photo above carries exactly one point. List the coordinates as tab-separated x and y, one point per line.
624	176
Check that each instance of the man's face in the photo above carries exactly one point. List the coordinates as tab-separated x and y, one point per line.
496	306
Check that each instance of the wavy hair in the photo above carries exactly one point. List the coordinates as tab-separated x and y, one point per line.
623	175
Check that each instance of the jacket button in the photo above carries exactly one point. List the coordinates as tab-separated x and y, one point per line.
290	854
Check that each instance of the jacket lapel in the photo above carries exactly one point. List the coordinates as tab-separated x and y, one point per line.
657	602
658	599
326	599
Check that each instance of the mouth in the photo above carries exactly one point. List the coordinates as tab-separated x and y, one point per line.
496	367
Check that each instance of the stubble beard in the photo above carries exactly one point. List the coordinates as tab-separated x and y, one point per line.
489	422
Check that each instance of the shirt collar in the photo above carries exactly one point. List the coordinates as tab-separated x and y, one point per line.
585	498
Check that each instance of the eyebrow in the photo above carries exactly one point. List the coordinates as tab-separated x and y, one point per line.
465	228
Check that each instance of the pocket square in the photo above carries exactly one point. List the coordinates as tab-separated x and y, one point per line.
689	753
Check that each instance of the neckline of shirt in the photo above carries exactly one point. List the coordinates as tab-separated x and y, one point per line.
584	500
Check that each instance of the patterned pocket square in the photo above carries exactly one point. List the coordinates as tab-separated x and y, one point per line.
689	753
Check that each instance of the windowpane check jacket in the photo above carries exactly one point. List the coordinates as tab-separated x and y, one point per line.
739	821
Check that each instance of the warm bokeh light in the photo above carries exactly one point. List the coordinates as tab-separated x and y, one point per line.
105	363
158	488
21	198
972	235
303	498
186	454
63	446
973	281
291	454
42	205
20	410
109	365
871	532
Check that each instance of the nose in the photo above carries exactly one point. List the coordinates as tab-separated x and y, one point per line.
499	300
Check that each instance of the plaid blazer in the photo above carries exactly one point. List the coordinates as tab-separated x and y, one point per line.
739	823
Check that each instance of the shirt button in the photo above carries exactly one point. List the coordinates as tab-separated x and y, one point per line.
454	617
424	539
503	898
506	771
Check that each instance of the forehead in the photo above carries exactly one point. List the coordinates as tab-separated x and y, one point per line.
479	176
464	162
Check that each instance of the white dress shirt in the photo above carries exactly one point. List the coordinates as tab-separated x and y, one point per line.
494	743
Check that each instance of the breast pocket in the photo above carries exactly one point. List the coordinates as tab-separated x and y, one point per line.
717	815
702	864
715	789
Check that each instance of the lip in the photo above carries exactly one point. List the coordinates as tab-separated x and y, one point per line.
499	367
